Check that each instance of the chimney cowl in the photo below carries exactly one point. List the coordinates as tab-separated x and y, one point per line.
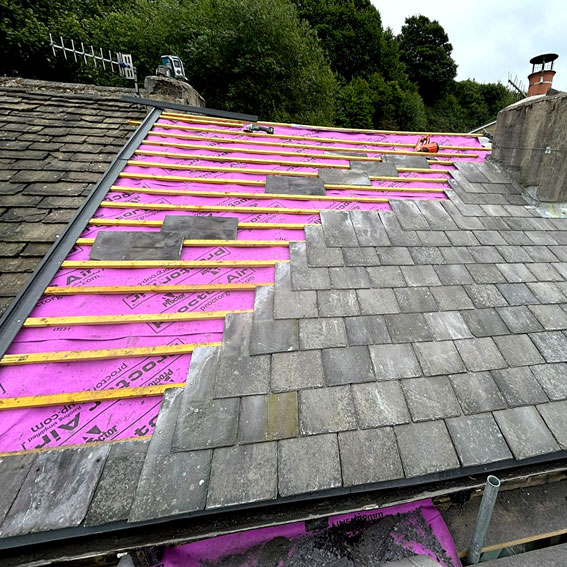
541	77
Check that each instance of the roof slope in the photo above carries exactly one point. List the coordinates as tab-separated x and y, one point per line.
55	141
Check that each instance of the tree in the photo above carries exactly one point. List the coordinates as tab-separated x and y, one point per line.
350	32
355	107
426	52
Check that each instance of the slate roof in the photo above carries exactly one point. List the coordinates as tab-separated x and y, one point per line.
396	347
55	141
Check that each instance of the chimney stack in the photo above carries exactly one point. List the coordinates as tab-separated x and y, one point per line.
542	73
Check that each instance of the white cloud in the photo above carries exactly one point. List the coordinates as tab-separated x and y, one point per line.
492	40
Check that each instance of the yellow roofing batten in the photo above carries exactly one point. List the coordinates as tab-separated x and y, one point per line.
100	354
206	208
286	196
127	289
222	169
84	397
39	322
336	150
169	155
231	243
142	264
241	225
308	138
175	116
199	117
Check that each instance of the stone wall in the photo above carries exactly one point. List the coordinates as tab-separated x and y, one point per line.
530	142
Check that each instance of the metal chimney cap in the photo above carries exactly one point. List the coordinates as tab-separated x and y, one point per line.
545	58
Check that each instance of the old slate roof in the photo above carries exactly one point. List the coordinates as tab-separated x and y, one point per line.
396	347
55	141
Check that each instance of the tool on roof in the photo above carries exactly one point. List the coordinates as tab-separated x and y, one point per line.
256	128
424	144
171	66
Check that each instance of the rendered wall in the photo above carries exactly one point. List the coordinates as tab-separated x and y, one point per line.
523	132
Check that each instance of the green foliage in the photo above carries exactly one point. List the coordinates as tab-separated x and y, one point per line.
426	52
355	108
350	32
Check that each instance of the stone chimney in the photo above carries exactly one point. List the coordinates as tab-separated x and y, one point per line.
541	77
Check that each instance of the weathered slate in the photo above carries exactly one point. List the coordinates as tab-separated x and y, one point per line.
375	168
289	185
56	492
201	228
114	245
13	472
343	177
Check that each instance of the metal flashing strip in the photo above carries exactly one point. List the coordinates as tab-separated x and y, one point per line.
26	300
187	108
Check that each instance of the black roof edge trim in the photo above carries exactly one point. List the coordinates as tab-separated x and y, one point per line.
33	289
147	529
193	109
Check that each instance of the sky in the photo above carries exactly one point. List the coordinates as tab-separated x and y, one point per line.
492	39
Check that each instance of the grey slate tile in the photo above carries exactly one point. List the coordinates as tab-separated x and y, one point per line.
553	379
136	246
369	456
236	335
518	350
305	279
541	254
547	292
427	255
337	228
453	274
519	319
516	273
274	336
415	300
408	327
298	255
326	410
396	235
361	256
484	322
369	228
13	472
318	255
519	386
478	440
57	491
552	345
308	464
297	370
183	476
407	161
555	417
117	485
420	276
433	238
379	404
386	276
437	217
485	274
201	228
430	398
268	418
343	177
337	303
289	185
457	255
425	448
462	238
477	392
290	304
376	169
513	254
517	294
490	238
243	474
347	365
366	330
525	432
377	301
447	325
552	317
440	357
486	295
451	298
409	215
207	424
487	255
392	362
394	256
544	272
321	333
349	278
243	376
480	354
